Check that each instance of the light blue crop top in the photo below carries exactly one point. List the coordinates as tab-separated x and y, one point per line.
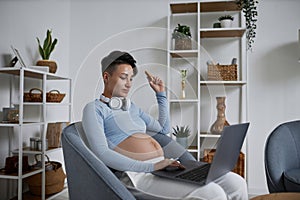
105	128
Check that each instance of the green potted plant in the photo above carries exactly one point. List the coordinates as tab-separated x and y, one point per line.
249	9
182	133
182	36
226	21
46	50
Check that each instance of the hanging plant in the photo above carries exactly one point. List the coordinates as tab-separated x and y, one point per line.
250	12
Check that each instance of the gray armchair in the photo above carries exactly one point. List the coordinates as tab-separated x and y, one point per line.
89	178
282	158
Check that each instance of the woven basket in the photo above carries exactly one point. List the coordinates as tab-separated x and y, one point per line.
32	96
51	96
222	72
55	179
54	96
239	167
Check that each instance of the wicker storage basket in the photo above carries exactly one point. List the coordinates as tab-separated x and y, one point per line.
55	179
32	96
239	167
52	96
222	72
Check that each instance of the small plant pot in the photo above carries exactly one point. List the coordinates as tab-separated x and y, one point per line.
226	23
183	44
183	141
50	63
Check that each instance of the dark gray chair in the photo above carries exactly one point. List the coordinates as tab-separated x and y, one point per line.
89	178
282	158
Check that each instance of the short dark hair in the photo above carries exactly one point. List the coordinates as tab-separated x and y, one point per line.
110	62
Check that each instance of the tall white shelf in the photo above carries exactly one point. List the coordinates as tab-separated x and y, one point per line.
198	109
21	75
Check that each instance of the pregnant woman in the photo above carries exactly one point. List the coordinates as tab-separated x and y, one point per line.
116	130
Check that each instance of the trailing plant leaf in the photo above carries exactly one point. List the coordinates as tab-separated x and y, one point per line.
249	9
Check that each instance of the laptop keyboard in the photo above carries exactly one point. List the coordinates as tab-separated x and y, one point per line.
197	175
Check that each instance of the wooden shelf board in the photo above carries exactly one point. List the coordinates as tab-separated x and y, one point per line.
209	135
226	83
16	71
192	150
183	100
184	54
58	104
31	73
222	32
29	196
184	8
219	6
6	124
15	175
27	103
27	150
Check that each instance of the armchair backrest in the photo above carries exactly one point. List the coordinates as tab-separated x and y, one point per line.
88	177
282	152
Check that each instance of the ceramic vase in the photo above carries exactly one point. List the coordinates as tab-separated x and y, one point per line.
218	125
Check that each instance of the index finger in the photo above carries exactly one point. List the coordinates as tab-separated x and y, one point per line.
148	75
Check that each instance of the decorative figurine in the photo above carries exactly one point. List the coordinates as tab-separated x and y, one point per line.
183	82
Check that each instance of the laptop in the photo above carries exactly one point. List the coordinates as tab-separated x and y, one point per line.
227	153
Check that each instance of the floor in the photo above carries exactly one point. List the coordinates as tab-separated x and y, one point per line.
65	196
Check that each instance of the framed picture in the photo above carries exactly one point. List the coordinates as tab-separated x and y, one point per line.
17	54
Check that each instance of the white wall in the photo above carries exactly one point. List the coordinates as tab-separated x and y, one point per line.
99	27
21	22
88	30
274	77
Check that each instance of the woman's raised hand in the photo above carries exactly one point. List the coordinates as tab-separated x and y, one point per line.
155	82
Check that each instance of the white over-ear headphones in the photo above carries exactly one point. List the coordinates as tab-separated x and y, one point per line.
116	103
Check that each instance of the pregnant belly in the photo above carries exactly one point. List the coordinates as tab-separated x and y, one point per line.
140	146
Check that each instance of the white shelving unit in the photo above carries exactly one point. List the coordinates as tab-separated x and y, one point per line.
198	109
21	76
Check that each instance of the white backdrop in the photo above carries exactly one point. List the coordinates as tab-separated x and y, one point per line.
90	29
